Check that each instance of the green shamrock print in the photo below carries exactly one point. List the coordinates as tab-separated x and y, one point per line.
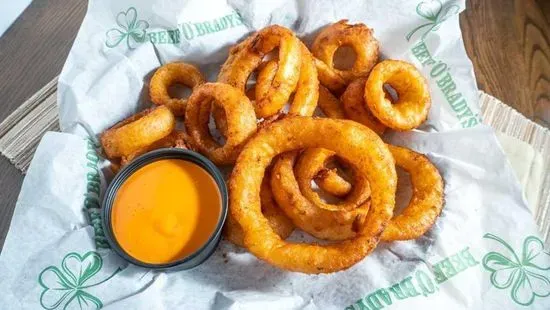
527	277
436	13
130	28
65	288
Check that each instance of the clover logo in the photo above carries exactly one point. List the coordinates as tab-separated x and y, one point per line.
436	13
130	28
527	277
66	288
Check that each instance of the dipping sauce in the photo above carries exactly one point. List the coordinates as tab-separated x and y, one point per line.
166	211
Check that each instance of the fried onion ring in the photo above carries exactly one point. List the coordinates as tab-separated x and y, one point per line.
247	55
313	162
329	78
310	162
169	74
277	219
353	100
175	139
315	218
306	94
241	121
137	132
413	103
358	145
357	36
427	199
219	115
329	104
329	181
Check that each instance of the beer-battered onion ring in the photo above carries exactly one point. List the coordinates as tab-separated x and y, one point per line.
305	97
169	74
353	100
241	121
413	102
307	167
427	198
332	183
306	93
320	222
329	104
176	139
358	145
357	36
246	56
137	131
313	162
219	115
329	78
221	121
266	72
277	219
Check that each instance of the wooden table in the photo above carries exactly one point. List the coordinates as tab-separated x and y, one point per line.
508	41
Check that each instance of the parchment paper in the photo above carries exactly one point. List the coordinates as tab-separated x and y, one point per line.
483	253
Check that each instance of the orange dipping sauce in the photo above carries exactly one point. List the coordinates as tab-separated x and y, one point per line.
165	211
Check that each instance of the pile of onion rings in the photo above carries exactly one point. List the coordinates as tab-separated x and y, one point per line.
332	177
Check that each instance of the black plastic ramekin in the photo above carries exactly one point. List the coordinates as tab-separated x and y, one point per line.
191	260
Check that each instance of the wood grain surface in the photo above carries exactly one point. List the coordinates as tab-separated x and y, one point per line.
32	52
509	44
507	40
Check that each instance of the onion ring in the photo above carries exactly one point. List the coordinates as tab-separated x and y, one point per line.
241	121
221	121
313	162
413	104
329	77
427	199
219	115
361	147
327	223
329	104
353	100
329	181
169	74
277	219
310	162
247	55
357	36
175	139
137	131
306	94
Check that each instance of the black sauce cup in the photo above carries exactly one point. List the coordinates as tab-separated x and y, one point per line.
192	260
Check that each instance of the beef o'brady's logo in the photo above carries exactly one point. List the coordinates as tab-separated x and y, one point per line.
68	286
435	13
424	282
132	31
522	275
92	202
